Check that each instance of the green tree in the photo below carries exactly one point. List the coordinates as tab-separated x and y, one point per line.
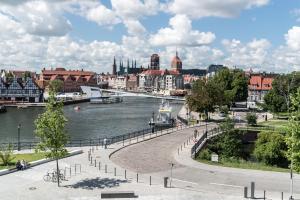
50	128
200	99
55	86
270	149
293	134
6	154
251	119
278	99
274	102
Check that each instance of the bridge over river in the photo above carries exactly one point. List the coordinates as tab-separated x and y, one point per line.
135	94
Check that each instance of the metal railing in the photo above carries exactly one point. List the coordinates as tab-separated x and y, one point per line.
206	135
85	142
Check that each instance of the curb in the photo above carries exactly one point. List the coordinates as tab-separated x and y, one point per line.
39	162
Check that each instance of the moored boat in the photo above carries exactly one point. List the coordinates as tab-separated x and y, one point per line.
164	117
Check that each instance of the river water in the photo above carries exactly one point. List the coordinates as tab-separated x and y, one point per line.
91	121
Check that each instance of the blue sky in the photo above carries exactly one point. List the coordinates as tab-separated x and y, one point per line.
263	35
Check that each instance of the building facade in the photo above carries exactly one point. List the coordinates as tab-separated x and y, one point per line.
14	90
72	79
259	85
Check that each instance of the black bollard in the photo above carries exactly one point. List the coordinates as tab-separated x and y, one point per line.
150	181
115	172
252	190
125	174
245	192
137	177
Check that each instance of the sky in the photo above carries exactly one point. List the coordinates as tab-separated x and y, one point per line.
262	35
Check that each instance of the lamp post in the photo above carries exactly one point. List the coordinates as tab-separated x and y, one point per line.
19	144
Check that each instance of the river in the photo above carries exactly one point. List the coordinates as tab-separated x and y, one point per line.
91	121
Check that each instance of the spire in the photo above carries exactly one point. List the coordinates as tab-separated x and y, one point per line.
134	63
114	71
127	63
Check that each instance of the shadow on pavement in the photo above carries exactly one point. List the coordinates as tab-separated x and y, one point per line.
97	183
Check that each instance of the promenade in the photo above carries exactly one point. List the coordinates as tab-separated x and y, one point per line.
139	159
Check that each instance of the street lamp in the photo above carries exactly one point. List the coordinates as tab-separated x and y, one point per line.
19	144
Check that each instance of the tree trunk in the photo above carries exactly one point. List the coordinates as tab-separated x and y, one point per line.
57	170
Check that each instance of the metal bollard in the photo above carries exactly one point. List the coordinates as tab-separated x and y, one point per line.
150	181
91	160
105	168
99	164
281	195
95	163
137	177
178	151
165	182
252	190
115	172
181	147
125	174
264	195
184	144
245	192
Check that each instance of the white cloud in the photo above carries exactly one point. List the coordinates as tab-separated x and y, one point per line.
293	38
134	27
38	18
135	8
215	8
180	33
253	54
102	15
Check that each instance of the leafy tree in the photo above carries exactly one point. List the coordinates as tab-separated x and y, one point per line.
293	134
50	128
270	149
228	144
56	86
274	102
240	86
251	119
200	100
231	144
6	154
278	99
227	125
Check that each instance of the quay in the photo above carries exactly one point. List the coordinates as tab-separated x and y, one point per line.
42	104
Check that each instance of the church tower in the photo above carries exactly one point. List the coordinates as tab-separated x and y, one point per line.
114	70
176	63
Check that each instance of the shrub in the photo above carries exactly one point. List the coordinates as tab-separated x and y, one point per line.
6	154
270	149
205	154
251	119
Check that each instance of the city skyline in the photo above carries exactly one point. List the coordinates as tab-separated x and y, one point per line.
88	34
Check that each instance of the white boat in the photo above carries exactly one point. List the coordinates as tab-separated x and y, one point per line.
164	117
96	96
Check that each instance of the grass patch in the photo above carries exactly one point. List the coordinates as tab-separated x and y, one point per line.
242	164
28	157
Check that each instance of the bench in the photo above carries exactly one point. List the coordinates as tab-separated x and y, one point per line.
118	194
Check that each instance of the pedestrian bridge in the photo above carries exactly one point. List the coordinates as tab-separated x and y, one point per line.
134	94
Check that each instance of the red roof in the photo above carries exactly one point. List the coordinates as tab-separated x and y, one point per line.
62	71
259	82
156	72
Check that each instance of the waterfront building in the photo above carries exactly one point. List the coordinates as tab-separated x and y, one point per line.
132	82
72	79
160	81
259	85
15	90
